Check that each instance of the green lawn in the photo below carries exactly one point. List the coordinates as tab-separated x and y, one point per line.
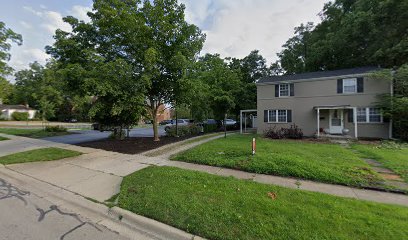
38	155
30	132
3	138
217	207
395	159
322	162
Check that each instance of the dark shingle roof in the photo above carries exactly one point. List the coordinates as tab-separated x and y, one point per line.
320	74
17	107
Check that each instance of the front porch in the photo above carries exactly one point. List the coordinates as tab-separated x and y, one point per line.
337	121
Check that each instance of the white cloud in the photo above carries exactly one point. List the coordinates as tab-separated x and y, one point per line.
51	20
26	25
80	12
22	56
234	28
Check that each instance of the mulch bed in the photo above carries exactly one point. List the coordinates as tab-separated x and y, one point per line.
131	145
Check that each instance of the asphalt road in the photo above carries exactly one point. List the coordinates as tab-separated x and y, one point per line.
91	135
25	216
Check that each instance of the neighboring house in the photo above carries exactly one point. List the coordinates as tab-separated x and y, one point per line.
163	113
8	110
324	103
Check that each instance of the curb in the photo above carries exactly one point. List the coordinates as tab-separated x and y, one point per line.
165	231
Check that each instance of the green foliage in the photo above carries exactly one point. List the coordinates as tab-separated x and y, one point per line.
55	129
41	88
190	130
19	116
351	34
7	36
226	208
33	133
322	162
38	155
6	90
396	107
208	128
131	57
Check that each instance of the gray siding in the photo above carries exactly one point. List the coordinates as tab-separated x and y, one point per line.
322	92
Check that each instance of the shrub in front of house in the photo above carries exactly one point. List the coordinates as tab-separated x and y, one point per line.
190	130
208	128
293	132
19	116
55	129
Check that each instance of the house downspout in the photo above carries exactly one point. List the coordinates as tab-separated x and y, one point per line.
392	94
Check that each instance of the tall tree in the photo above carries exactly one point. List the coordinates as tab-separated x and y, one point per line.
395	106
352	33
38	87
149	42
6	37
251	69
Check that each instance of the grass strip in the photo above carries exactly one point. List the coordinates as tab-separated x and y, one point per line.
38	155
226	208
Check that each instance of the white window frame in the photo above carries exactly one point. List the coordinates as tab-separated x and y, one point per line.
276	120
288	87
349	80
367	115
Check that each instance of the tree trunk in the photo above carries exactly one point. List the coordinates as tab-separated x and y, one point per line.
155	124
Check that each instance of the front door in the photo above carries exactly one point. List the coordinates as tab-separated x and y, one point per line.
336	121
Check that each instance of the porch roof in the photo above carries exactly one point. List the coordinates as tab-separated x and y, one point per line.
332	107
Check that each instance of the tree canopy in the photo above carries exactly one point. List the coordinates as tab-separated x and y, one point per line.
131	57
7	36
352	33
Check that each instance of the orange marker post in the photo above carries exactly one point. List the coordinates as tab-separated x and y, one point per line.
253	146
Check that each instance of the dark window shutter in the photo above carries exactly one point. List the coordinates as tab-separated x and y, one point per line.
360	85
277	90
289	115
350	115
265	115
339	85
292	89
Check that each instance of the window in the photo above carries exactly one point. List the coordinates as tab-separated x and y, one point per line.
361	115
375	115
282	116
284	90
369	115
272	116
278	116
350	85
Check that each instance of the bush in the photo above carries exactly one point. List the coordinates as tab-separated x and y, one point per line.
294	132
208	128
55	129
19	116
189	130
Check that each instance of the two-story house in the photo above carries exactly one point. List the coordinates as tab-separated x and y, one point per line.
341	102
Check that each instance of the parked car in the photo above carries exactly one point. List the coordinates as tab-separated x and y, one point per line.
230	122
180	122
210	122
101	127
165	122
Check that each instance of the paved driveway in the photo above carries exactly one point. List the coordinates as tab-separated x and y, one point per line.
92	135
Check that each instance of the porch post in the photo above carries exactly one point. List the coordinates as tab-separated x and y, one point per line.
355	122
240	121
318	122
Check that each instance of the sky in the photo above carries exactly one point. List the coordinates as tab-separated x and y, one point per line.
233	27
